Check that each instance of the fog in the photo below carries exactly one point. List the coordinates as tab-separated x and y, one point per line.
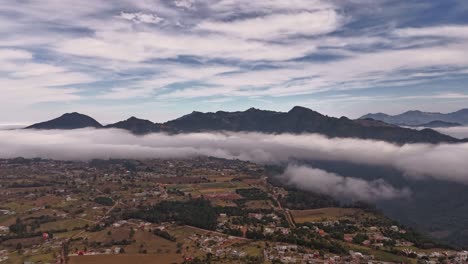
460	132
417	161
307	178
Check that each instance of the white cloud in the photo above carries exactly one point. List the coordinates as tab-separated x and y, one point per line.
269	5
14	54
184	3
310	179
451	31
59	45
445	162
456	132
141	46
142	18
277	25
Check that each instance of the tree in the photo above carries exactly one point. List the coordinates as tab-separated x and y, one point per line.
19	247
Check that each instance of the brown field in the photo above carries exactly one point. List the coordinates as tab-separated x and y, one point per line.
222	178
259	204
26	242
116	234
47	200
252	181
179	180
126	259
324	214
155	245
63	224
7	220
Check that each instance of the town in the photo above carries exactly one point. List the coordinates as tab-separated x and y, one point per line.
199	210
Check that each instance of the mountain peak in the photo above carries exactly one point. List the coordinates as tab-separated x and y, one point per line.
72	120
299	110
252	109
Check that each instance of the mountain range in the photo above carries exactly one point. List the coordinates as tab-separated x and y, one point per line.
419	118
297	120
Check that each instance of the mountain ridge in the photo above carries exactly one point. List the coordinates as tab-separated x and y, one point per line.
418	118
298	120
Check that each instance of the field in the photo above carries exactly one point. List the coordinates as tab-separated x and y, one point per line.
382	255
125	259
153	244
68	224
259	204
324	214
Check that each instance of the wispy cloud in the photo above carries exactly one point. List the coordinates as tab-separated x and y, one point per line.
269	49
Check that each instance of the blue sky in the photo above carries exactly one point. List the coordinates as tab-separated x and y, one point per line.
162	59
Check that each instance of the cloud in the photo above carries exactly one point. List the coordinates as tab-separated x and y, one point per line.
310	179
25	81
14	54
246	6
447	31
141	18
457	132
278	25
445	162
91	52
184	3
142	46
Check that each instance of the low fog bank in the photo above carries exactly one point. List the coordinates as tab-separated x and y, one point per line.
456	132
316	180
446	162
460	132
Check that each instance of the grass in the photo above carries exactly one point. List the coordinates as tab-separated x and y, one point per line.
380	255
324	214
125	259
41	258
68	224
259	204
152	243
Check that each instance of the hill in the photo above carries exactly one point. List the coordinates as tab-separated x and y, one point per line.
298	120
302	120
418	118
137	126
68	121
440	124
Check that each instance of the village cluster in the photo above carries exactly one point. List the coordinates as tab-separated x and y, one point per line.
200	210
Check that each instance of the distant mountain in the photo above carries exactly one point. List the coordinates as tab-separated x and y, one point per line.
302	120
298	120
137	126
68	121
418	118
440	124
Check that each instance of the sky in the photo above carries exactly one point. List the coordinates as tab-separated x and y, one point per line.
160	59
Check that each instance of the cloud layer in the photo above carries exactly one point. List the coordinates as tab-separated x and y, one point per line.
457	132
320	181
418	161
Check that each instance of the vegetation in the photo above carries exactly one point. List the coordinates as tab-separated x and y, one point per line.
106	201
252	194
197	212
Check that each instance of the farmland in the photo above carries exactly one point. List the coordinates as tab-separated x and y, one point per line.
201	210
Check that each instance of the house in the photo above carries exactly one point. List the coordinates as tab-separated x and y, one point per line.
256	216
117	250
4	229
